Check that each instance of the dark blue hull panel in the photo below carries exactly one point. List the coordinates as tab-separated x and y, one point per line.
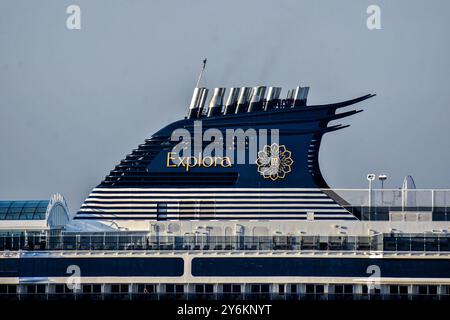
319	267
226	267
92	267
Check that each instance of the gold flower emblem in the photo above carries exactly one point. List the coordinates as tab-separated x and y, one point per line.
274	162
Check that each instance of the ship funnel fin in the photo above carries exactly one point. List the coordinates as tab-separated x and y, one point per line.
215	105
257	99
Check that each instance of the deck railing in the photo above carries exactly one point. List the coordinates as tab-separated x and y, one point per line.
131	242
400	199
395	204
222	296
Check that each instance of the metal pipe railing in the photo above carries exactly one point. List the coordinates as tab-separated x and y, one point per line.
131	242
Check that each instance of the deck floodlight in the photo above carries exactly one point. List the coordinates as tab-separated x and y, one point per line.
382	178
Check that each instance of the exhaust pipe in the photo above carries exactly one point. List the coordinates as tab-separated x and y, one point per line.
194	106
289	98
300	96
202	101
215	105
273	97
243	100
231	104
256	103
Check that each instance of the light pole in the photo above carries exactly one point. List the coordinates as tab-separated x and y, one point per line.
382	178
370	178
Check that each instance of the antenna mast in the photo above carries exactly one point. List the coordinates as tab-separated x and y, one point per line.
201	72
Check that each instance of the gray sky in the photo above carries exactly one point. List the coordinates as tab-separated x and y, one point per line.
74	103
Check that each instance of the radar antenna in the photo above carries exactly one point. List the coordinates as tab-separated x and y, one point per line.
201	72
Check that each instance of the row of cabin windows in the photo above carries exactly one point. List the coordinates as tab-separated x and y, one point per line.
316	289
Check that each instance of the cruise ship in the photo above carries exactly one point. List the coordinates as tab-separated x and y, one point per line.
229	202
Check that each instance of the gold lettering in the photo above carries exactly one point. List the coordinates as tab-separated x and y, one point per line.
226	162
169	160
208	162
190	162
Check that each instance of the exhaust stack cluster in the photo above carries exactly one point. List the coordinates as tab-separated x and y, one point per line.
245	99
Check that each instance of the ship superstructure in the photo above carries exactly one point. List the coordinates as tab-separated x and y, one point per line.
230	202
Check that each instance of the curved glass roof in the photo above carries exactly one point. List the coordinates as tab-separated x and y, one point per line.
23	210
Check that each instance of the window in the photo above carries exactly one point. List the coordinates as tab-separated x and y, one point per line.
119	288
403	290
375	290
12	289
172	288
339	289
281	288
445	290
432	289
60	288
161	211
146	288
36	289
393	290
423	290
92	288
259	288
293	288
398	290
348	289
343	289
40	288
365	289
231	288
3	289
204	288
7	289
179	288
316	291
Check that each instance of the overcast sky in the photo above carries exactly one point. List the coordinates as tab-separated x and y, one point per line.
73	103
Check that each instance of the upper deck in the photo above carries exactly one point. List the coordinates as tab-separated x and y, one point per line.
395	204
